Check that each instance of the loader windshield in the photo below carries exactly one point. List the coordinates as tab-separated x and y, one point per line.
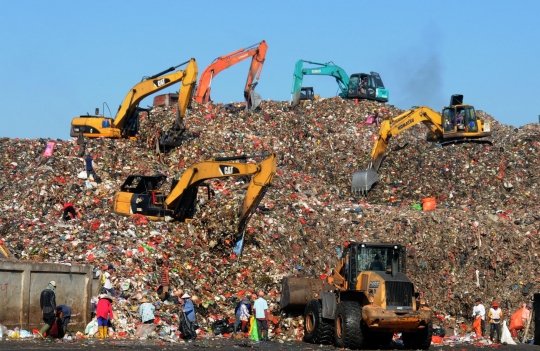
378	258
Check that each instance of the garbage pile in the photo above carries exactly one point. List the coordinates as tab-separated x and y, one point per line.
480	241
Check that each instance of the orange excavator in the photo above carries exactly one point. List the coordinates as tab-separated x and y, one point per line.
257	52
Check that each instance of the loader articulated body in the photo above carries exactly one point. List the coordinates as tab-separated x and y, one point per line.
363	303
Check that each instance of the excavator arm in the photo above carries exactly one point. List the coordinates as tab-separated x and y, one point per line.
125	123
363	180
263	174
401	123
142	194
253	99
327	69
257	52
439	130
174	136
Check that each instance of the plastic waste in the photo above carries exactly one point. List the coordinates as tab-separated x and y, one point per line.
15	334
506	337
144	330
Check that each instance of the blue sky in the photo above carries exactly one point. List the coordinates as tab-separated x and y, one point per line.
61	59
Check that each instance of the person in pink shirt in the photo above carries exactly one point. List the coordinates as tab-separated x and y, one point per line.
104	313
526	313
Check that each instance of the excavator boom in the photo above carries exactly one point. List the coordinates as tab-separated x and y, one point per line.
324	69
439	130
126	122
143	195
257	53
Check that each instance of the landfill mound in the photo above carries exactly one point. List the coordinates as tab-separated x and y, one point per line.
480	241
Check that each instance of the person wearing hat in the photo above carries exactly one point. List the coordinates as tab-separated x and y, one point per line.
47	301
191	317
146	311
189	308
69	212
104	313
242	314
479	311
495	315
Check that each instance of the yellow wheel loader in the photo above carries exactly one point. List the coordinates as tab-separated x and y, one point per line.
367	298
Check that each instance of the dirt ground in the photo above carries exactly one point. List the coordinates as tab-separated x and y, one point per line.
201	344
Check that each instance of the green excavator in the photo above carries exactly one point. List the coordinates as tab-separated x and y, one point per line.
367	86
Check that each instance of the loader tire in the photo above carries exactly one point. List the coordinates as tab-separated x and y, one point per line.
348	329
419	340
317	330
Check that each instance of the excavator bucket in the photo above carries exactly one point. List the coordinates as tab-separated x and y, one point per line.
255	100
173	137
363	180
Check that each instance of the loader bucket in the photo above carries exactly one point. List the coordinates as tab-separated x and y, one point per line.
296	292
363	180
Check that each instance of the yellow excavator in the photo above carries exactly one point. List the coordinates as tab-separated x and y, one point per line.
458	123
143	195
363	302
126	122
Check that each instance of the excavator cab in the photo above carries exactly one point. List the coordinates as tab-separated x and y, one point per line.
307	93
459	119
367	86
144	195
